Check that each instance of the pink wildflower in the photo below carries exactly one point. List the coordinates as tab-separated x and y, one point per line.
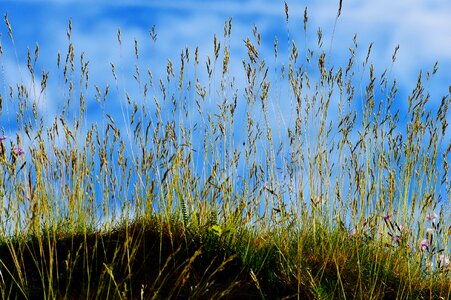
387	217
18	150
425	244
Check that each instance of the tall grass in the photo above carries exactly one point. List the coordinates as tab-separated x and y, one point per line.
295	178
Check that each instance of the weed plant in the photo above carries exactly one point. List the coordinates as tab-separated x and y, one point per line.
292	179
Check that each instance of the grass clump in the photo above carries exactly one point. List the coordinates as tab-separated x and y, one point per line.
285	181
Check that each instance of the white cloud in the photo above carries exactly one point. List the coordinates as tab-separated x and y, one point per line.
420	27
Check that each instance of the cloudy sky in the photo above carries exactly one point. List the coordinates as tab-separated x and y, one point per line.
422	28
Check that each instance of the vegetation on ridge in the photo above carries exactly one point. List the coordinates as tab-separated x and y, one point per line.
299	184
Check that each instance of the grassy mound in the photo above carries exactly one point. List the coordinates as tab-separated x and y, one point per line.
157	260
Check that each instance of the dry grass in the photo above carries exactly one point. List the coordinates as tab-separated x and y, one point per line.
298	184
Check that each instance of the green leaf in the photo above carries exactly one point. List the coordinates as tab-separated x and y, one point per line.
216	230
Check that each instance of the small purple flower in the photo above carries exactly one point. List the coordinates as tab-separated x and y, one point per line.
3	137
387	217
353	232
18	150
425	244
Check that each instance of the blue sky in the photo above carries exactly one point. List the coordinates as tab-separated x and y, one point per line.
422	28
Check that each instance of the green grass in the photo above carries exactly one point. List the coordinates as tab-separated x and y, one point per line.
283	188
